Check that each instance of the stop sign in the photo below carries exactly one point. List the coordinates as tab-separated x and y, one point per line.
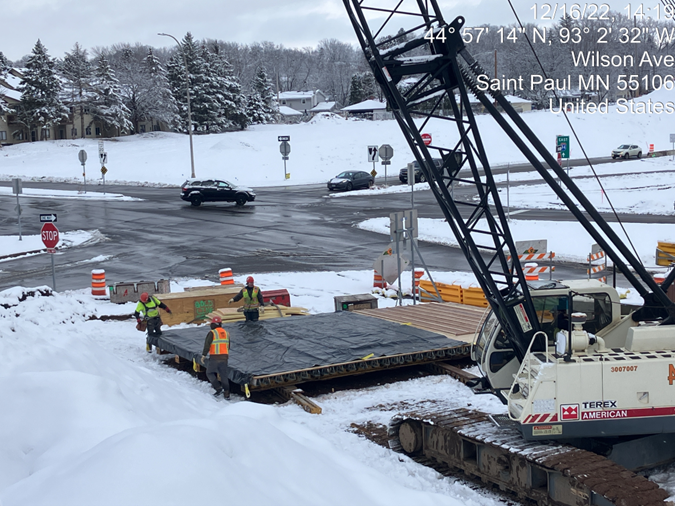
50	235
426	139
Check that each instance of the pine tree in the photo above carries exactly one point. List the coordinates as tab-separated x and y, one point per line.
77	72
261	104
355	90
108	106
40	106
156	99
178	78
230	96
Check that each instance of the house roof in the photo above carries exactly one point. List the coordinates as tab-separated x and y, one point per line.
290	95
366	105
287	111
323	107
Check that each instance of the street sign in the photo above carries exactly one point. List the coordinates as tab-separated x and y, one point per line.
372	154
672	137
373	173
82	156
103	157
284	138
17	186
48	218
563	146
104	171
284	158
50	236
100	147
385	162
285	148
426	139
386	152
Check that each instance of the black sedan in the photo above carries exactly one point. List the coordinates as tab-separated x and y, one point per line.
214	190
350	180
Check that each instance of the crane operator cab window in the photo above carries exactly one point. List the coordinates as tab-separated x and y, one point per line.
554	313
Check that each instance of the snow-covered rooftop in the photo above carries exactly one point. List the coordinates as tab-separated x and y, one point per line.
287	111
366	105
323	107
290	95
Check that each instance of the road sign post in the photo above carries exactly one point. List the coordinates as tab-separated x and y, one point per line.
285	149
563	149
82	156
103	158
50	237
386	153
17	189
373	156
672	141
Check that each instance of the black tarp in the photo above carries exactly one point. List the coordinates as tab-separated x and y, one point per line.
301	342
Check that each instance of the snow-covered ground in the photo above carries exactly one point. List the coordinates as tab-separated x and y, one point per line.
39	193
91	419
321	148
13	245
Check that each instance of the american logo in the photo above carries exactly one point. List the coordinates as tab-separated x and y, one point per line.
569	411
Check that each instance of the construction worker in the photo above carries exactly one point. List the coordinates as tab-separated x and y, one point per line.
217	347
253	300
149	306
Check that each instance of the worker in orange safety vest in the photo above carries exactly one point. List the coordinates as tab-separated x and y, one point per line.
217	347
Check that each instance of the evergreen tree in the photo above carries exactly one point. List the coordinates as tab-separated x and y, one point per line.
261	105
108	106
180	77
355	90
77	73
40	106
156	99
230	96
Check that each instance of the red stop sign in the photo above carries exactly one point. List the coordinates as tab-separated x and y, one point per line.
49	235
426	139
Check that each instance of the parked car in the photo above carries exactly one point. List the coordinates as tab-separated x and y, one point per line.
197	191
626	151
350	180
419	177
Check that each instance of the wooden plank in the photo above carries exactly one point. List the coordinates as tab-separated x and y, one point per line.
455	372
296	395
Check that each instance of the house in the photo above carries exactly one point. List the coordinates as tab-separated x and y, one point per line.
518	103
369	109
78	125
301	101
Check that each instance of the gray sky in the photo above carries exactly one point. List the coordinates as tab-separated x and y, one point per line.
293	23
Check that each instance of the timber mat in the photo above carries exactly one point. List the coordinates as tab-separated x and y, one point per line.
285	345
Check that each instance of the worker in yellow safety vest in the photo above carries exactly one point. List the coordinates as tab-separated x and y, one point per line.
253	300
217	347
149	306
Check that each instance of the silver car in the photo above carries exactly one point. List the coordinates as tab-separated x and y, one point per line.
626	151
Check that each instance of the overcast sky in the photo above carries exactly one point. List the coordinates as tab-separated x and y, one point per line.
293	23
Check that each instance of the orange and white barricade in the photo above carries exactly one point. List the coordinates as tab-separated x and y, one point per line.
226	277
378	281
98	282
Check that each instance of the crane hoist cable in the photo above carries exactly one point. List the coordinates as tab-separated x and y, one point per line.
576	136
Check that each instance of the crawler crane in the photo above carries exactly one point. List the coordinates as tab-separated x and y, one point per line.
587	400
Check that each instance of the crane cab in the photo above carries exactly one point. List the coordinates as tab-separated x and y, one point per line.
495	355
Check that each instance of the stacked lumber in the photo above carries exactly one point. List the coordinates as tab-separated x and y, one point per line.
232	314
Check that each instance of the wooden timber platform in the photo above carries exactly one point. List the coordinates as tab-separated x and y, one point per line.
456	321
291	351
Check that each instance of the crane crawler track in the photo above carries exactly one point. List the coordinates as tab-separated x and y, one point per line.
494	451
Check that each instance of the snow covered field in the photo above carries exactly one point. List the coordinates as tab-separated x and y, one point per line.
321	148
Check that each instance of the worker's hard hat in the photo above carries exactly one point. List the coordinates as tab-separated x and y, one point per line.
249	280
144	297
216	319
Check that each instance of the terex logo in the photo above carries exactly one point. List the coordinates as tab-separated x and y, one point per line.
599	404
569	411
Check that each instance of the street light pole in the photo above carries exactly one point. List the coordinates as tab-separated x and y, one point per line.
187	90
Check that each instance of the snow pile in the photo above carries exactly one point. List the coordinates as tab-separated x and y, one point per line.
10	245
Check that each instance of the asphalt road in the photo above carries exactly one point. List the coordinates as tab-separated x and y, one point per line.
287	229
